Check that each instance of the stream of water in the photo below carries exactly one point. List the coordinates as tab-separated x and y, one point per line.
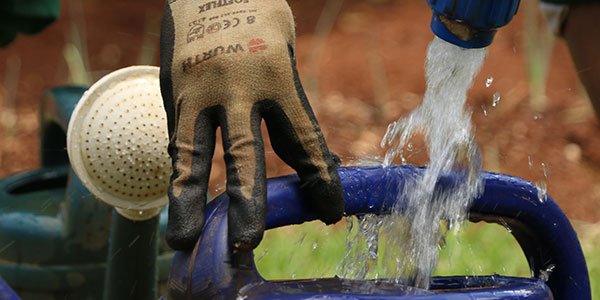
403	246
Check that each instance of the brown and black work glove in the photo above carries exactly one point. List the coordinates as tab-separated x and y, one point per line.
230	63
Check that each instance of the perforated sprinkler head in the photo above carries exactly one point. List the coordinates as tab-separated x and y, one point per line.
117	142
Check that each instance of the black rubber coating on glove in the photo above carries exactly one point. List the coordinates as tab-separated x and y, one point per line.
230	64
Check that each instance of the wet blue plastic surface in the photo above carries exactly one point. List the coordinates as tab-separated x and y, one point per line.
541	228
6	293
482	287
485	16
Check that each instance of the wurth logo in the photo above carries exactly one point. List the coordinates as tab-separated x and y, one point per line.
190	62
256	45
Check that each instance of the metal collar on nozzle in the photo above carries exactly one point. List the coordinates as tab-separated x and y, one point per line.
470	23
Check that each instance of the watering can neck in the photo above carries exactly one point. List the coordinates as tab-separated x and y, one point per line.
470	23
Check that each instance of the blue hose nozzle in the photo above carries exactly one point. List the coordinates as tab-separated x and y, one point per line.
470	23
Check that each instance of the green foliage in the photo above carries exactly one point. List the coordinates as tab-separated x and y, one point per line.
482	249
312	250
302	251
589	237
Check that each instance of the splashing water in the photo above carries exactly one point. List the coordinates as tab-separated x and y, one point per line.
489	81
542	187
362	248
545	274
410	234
542	191
496	99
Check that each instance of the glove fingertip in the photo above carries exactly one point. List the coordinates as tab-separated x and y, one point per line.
337	161
183	232
245	230
181	242
326	199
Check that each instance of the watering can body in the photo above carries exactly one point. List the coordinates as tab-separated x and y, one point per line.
209	271
470	23
54	233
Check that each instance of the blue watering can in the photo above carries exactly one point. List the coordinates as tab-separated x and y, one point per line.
209	271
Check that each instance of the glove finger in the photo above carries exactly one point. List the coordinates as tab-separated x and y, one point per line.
297	138
191	147
298	144
194	145
246	179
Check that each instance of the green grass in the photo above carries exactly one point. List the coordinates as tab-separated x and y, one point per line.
482	249
301	251
589	237
313	250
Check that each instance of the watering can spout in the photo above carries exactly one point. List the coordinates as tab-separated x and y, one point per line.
470	23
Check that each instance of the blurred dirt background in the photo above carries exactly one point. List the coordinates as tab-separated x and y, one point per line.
362	63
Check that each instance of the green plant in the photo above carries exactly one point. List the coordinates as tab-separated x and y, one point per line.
312	250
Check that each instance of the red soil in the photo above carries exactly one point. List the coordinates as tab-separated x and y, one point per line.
367	73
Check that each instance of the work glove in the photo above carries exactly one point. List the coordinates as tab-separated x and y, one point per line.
29	17
229	64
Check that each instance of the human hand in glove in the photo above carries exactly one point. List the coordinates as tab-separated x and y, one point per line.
229	64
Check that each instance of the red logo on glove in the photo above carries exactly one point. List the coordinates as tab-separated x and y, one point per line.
257	44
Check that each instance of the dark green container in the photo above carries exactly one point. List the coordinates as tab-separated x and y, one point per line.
54	234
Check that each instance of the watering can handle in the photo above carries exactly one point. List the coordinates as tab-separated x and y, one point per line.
57	106
541	228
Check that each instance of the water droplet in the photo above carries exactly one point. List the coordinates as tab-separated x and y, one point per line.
530	160
134	240
505	225
410	147
484	110
7	246
389	134
141	212
349	224
489	81
314	246
496	99
545	169
545	274
541	191
537	116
